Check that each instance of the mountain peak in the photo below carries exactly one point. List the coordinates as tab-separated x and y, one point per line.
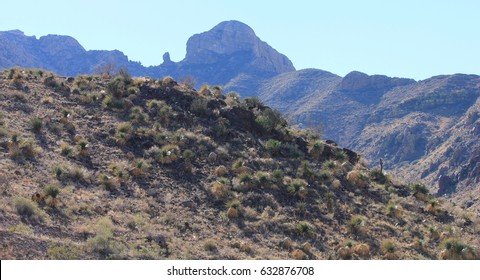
235	38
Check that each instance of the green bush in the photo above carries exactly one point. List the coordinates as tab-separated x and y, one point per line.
298	187
51	190
27	209
273	147
199	107
356	224
37	125
270	120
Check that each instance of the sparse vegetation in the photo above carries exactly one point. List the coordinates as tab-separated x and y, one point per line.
161	171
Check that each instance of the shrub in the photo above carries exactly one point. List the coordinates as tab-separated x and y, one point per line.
263	178
37	125
103	243
221	171
27	209
270	120
107	182
388	247
21	149
393	210
124	133
419	190
455	249
51	192
160	110
357	178
83	148
315	149
65	149
168	154
356	225
220	188
137	115
298	187
378	176
140	165
253	102
277	176
199	107
305	171
209	245
305	228
273	147
246	180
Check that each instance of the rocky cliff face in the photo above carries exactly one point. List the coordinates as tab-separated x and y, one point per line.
231	38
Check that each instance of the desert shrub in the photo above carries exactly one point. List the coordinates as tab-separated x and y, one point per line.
253	102
357	178
137	115
238	166
270	120
199	107
305	228
65	149
21	149
393	210
419	191
315	149
118	87
140	166
117	104
298	187
168	154
107	182
124	133
388	247
51	192
83	148
209	245
378	176
263	178
356	225
37	125
324	176
329	164
27	209
168	81
221	127
290	150
455	249
160	110
273	147
305	171
246	180
433	207
221	171
277	177
204	90
220	188
103	243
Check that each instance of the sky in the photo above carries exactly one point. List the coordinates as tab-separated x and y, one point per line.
412	39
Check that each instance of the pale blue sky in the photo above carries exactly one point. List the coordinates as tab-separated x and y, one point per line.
415	39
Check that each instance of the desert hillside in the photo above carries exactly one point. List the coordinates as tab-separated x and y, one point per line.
100	167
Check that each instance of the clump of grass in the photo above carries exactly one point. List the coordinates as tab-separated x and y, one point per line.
22	149
103	243
378	176
27	209
305	228
273	147
357	178
455	249
315	149
124	133
209	245
298	187
37	125
220	188
51	192
65	149
389	249
168	154
419	191
263	178
140	167
356	225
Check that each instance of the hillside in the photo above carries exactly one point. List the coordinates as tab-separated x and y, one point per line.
423	130
99	167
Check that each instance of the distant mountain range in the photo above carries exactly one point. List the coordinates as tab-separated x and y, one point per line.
422	130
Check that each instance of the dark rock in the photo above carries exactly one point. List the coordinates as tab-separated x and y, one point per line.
302	144
353	157
241	118
446	185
